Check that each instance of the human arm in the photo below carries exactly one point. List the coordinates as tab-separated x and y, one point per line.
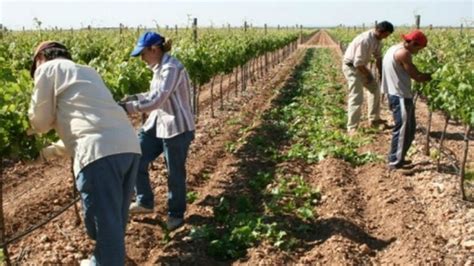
378	63
361	58
127	98
403	57
160	90
378	58
366	73
54	150
42	110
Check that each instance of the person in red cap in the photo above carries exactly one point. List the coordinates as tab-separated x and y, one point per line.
169	129
96	133
397	72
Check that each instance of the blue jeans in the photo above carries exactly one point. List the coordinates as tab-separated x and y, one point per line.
175	150
404	131
106	187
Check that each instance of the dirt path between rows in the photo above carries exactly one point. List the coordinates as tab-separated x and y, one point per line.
422	213
34	191
366	215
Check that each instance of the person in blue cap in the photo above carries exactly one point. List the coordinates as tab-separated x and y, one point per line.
169	128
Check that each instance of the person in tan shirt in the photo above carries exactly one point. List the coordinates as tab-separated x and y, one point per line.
73	100
356	58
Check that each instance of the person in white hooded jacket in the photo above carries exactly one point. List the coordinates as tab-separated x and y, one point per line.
95	131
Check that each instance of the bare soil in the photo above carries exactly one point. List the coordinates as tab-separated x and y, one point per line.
367	214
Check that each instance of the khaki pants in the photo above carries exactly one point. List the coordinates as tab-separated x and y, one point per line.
356	83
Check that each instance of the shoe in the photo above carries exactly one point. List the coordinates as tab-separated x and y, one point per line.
402	169
136	208
403	164
351	131
377	122
174	223
406	164
85	262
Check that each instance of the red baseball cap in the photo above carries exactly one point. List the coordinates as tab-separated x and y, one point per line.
417	36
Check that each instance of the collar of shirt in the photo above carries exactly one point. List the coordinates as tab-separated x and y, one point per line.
372	36
157	67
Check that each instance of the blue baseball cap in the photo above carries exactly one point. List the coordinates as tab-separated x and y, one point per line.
146	40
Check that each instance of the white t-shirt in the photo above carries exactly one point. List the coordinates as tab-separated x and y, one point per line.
395	79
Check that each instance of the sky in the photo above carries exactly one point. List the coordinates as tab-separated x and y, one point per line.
16	14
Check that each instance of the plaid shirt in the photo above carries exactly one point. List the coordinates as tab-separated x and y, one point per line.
169	100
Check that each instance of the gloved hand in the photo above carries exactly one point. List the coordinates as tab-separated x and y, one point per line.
123	104
127	107
55	150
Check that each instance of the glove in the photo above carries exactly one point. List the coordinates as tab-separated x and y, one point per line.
123	104
127	106
55	150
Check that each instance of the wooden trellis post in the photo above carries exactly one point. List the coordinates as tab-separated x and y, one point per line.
220	92
74	193
427	137
212	97
2	223
229	81
440	147
236	81
266	53
196	86
464	160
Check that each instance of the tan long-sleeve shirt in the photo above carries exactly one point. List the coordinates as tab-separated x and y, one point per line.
362	48
73	100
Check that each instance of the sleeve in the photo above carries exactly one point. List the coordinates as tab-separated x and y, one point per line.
142	96
361	54
160	91
42	110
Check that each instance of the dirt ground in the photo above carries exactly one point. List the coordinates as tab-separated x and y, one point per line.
367	214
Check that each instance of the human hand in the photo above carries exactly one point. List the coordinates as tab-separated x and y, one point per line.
30	132
429	76
128	98
426	77
369	78
55	150
123	104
